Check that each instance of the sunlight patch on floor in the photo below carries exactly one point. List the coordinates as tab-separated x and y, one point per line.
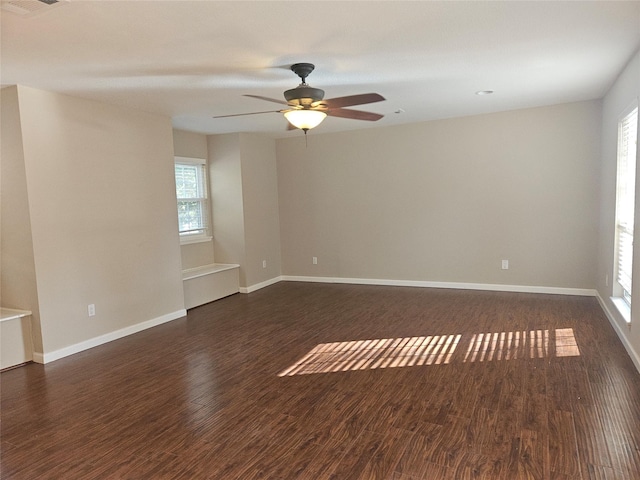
378	353
566	345
434	350
485	347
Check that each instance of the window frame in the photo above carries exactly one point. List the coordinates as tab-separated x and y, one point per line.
204	235
624	213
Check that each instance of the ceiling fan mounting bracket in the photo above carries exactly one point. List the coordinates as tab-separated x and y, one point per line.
303	70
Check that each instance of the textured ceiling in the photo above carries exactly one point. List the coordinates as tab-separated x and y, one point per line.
192	60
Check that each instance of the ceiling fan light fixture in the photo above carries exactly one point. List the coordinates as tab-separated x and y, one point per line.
305	119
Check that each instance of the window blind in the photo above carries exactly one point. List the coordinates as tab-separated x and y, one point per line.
191	193
627	147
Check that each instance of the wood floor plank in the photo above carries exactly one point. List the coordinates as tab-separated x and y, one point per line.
465	396
327	459
533	458
295	463
201	397
475	466
620	428
534	412
419	450
452	446
598	472
563	449
592	444
386	457
355	460
559	397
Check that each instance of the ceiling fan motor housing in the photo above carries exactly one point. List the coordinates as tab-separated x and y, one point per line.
303	95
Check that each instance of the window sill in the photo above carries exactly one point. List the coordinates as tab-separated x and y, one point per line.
623	308
194	239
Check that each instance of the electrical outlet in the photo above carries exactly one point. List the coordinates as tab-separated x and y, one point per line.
315	260
264	264
505	264
91	309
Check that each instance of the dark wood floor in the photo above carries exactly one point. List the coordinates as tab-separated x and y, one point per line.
401	383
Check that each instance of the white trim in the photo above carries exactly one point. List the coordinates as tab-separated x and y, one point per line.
623	308
454	285
48	357
203	270
258	286
8	314
191	160
635	357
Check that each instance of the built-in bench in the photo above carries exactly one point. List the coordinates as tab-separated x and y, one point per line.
16	346
210	282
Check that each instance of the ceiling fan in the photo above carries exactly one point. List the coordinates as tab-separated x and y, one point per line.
307	108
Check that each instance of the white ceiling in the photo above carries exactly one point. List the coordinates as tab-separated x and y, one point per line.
192	60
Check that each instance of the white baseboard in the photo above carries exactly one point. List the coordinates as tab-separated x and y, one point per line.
48	357
454	285
635	357
258	286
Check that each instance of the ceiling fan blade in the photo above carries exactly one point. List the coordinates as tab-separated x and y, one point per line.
274	100
352	100
354	114
251	113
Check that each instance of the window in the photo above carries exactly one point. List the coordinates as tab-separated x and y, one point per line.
191	192
625	202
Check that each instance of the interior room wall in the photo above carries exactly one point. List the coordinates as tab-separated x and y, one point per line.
260	200
225	177
102	206
193	145
17	268
447	200
189	144
244	191
622	94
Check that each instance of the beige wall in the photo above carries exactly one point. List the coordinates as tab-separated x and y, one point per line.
244	191
625	91
193	145
225	178
102	206
189	144
260	200
447	200
17	268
